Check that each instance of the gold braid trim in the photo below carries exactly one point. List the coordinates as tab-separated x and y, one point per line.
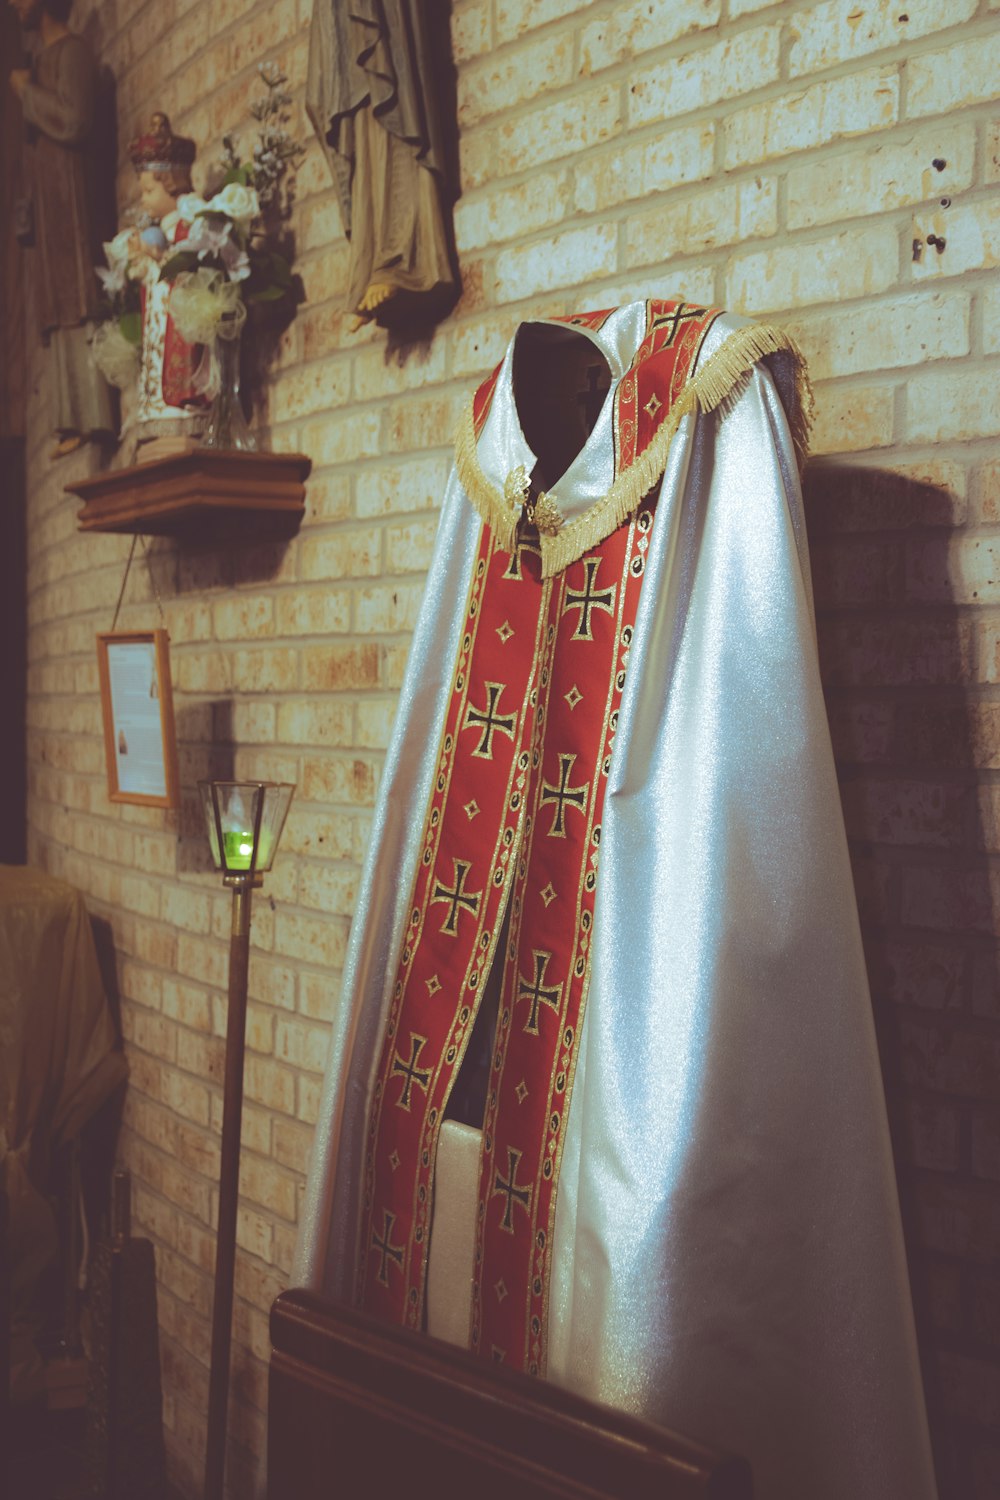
712	386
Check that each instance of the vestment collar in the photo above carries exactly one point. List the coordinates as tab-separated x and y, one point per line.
652	350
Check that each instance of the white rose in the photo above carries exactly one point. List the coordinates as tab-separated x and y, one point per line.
189	205
239	202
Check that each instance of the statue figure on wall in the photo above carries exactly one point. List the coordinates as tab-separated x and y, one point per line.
374	97
172	392
58	98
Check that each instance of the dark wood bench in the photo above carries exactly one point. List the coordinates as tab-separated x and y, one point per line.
357	1408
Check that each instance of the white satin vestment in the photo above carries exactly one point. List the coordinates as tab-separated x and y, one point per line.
728	1259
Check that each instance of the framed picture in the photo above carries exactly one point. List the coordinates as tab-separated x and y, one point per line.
140	745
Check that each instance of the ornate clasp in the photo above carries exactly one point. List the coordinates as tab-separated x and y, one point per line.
542	512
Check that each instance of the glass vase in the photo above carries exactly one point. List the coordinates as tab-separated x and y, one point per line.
227	424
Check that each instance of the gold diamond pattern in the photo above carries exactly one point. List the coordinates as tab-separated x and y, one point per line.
652	406
505	631
433	984
521	1091
574	696
471	809
549	894
500	1290
394	1160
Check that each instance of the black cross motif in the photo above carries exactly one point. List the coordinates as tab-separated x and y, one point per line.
576	796
413	1075
682	313
458	898
537	991
514	565
589	600
388	1250
515	1194
489	721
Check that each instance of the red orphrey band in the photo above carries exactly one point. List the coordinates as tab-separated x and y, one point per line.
514	820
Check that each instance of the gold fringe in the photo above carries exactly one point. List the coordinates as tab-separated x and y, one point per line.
714	385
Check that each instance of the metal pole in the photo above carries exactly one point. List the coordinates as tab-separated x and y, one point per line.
229	1187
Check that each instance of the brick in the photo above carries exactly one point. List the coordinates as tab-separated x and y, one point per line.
310	1098
950	900
965	572
340	668
342	440
852	420
726	215
471	30
838	269
926	975
836	110
405	369
271	982
987	492
954	405
842	499
236	619
842	30
301	722
388	608
670	159
506	79
986	1144
268	1186
960	1220
630	30
310	388
514	17
929	814
971	233
375	718
892	173
292	1144
312	939
971	1388
389	489
735	65
889	335
266	670
571	125
329	888
574	256
990	302
932	1136
254	1233
302	1045
269	1084
904	651
409	545
950	78
345	553
497	214
339	779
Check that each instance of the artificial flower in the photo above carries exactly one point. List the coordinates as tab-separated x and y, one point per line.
114	356
203	305
238	201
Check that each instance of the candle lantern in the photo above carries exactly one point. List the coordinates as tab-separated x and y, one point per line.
244	820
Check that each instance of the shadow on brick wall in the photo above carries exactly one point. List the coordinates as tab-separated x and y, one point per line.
914	730
206	751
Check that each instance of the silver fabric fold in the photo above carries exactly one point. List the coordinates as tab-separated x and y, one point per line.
728	1258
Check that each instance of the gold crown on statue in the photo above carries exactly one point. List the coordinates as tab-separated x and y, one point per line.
158	149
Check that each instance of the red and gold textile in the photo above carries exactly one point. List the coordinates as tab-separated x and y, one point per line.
513	834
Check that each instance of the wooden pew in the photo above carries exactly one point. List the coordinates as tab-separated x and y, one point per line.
360	1409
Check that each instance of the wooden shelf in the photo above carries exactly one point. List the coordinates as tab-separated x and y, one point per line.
200	493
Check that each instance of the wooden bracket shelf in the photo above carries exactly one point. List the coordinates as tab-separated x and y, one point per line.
200	493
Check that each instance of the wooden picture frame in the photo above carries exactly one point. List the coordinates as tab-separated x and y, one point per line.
140	742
